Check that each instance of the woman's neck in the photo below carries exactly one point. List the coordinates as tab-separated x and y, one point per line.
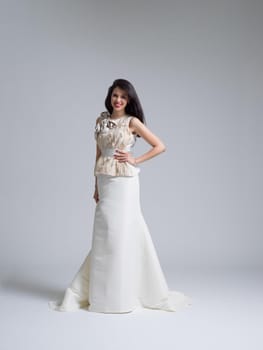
117	115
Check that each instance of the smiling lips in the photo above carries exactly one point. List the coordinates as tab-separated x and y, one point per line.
117	105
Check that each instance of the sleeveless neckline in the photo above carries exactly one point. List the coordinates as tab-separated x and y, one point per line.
113	119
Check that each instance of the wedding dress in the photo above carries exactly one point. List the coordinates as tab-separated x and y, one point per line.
122	271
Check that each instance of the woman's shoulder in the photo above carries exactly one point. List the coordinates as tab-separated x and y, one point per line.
103	115
133	120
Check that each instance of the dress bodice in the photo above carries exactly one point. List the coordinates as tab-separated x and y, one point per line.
112	134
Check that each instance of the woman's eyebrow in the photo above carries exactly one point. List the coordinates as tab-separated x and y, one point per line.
121	95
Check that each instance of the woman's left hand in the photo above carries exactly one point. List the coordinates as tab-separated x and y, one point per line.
123	156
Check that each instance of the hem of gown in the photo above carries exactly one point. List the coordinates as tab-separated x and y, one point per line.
58	306
175	301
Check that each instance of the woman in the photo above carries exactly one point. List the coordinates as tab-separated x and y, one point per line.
121	272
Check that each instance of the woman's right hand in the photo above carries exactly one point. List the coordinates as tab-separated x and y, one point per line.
96	195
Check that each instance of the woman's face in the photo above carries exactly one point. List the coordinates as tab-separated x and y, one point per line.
119	100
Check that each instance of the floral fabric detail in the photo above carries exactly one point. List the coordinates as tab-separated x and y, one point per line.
114	134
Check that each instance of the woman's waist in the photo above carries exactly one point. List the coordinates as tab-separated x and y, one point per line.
108	164
110	151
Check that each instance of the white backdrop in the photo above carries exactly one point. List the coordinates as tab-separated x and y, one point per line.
197	68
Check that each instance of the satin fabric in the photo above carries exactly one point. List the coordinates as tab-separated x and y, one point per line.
122	271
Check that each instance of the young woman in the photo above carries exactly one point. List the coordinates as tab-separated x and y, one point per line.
121	271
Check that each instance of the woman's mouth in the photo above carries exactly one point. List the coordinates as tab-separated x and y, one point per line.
117	105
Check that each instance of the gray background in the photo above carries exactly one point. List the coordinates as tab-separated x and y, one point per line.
197	68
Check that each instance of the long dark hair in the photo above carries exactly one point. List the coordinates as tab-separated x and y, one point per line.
133	107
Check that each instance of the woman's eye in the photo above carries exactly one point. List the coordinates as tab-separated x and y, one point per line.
124	97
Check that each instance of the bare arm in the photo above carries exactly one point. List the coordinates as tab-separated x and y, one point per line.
157	145
98	153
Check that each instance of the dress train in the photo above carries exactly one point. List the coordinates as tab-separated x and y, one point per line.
122	271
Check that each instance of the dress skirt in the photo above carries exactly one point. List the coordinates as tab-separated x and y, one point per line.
122	271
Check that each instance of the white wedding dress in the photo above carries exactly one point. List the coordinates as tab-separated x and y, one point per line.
122	271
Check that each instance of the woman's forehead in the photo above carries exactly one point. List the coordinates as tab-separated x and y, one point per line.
120	91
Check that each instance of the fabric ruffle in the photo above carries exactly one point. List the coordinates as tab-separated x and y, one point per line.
114	134
111	166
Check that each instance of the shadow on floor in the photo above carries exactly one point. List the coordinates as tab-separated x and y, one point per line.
30	288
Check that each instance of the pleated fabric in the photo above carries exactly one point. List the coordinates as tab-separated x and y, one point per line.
122	271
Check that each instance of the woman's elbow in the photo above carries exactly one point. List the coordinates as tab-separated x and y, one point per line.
161	147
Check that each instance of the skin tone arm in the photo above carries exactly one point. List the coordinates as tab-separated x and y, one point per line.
157	145
98	153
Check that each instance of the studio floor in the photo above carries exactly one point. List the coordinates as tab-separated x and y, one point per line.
227	313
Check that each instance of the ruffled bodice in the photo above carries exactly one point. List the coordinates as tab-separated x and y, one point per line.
112	134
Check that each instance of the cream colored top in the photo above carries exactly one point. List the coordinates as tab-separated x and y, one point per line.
112	134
